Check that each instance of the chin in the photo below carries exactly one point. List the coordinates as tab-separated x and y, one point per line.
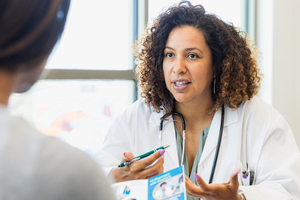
182	99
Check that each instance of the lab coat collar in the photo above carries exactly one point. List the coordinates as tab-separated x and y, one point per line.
155	117
168	137
231	116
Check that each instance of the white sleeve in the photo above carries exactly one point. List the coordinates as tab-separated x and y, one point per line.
157	194
118	139
169	191
277	174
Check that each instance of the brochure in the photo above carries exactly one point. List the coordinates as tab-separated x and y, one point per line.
168	185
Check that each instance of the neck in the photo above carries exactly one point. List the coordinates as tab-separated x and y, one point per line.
7	83
195	112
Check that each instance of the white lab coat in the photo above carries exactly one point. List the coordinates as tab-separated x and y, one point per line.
271	150
159	193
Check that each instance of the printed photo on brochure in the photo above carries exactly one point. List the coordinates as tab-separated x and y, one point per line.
168	185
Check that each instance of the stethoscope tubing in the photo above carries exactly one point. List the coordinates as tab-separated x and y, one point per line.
183	133
218	145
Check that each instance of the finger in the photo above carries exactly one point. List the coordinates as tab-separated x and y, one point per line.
201	183
192	189
187	179
127	156
150	171
151	159
234	182
161	170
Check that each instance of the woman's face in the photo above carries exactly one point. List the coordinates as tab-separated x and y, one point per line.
187	65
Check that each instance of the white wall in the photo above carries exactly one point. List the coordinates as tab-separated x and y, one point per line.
296	122
278	38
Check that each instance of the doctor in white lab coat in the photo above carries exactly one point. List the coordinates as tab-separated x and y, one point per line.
271	151
192	62
163	191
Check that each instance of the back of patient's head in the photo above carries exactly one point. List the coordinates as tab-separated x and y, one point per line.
29	30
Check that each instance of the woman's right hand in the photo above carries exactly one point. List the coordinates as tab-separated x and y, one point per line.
139	169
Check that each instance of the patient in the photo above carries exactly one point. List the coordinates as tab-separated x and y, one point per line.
34	166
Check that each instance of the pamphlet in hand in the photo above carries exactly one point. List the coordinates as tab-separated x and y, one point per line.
168	185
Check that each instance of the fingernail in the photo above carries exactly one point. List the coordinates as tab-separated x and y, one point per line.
124	154
237	173
162	152
196	176
163	156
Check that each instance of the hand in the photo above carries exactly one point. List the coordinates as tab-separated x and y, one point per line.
139	169
214	191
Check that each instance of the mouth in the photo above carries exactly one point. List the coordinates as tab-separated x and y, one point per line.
181	83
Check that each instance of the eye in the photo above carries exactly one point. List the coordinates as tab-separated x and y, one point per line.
193	55
169	55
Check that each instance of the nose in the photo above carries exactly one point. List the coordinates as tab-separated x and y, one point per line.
179	66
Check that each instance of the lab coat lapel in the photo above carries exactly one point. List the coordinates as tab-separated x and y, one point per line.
168	138
231	117
212	137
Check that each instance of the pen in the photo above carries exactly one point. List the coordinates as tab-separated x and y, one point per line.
143	156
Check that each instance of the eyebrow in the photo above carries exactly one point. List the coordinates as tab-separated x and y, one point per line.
188	49
194	49
169	48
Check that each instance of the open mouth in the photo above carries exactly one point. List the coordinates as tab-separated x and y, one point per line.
181	83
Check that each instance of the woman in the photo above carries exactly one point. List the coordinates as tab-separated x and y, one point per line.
32	165
193	63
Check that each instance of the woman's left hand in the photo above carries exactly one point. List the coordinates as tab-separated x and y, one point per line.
214	191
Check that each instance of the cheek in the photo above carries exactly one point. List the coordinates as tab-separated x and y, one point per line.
166	70
205	70
166	78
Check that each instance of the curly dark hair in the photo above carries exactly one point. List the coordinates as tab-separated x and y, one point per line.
234	58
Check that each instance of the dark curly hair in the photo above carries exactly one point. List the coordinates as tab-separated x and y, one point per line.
234	58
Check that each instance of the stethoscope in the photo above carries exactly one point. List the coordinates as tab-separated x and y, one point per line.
245	173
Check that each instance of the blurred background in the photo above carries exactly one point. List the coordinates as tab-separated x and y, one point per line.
89	77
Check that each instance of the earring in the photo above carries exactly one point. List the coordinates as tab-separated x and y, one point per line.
214	86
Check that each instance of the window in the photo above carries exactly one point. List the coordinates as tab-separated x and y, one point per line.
229	10
95	37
